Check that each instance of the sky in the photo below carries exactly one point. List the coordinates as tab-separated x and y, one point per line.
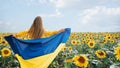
79	15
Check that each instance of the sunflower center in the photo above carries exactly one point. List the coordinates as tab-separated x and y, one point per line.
74	42
78	42
91	44
112	41
70	48
116	37
101	53
3	42
81	59
6	51
104	40
108	37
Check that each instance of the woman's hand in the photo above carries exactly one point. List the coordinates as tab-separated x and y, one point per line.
61	30
14	35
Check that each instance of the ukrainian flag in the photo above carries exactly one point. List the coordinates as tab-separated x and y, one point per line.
38	53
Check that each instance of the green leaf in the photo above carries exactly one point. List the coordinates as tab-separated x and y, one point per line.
110	53
115	65
96	62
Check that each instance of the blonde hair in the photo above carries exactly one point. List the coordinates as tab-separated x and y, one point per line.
36	30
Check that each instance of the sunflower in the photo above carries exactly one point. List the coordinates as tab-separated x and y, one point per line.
116	37
6	52
83	39
78	42
91	37
78	36
70	48
101	43
112	41
87	40
21	33
87	34
87	37
104	35
80	60
83	34
91	43
74	42
100	54
104	41
117	52
3	42
72	36
1	38
64	48
108	37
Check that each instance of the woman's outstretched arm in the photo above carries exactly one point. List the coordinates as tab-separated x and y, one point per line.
61	30
50	33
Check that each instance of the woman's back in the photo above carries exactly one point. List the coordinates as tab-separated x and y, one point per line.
37	31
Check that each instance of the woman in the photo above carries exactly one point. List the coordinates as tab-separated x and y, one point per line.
37	30
38	53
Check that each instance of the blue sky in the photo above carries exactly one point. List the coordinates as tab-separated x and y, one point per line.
79	15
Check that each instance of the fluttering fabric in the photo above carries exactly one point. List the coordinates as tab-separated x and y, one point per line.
38	53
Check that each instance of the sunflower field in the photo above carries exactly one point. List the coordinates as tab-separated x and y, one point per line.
83	50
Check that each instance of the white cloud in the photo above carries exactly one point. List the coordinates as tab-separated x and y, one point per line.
75	4
102	17
100	12
58	3
65	3
83	4
56	14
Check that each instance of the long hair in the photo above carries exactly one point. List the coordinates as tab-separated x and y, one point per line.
36	30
